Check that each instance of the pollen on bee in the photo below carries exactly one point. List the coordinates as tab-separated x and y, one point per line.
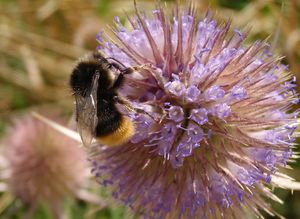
122	135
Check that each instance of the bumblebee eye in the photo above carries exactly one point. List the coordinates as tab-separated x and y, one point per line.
116	99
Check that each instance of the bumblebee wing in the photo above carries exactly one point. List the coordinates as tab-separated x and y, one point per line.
86	113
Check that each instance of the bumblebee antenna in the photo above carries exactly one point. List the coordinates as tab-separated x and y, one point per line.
117	61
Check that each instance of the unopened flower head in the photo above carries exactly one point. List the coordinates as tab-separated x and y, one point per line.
218	122
45	165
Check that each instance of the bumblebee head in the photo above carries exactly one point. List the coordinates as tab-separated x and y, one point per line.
82	76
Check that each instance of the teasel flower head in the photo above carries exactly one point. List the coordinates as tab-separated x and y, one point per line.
216	120
44	165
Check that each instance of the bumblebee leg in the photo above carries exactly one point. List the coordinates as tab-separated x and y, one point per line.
123	101
126	103
128	71
118	82
144	112
154	72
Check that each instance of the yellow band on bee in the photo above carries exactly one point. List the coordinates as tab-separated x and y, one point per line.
122	135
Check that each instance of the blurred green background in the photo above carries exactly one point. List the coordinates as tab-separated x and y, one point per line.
40	41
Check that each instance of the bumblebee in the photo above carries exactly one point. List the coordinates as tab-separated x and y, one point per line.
95	82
